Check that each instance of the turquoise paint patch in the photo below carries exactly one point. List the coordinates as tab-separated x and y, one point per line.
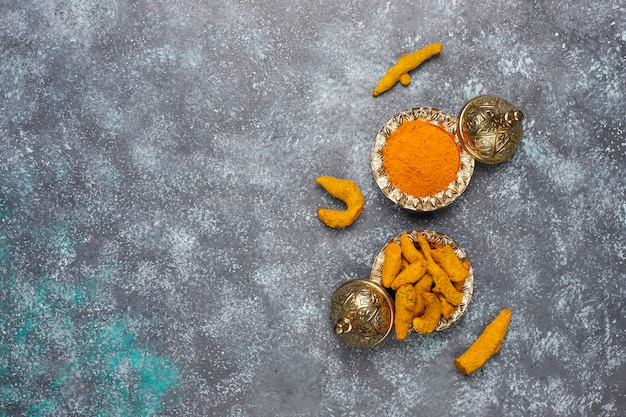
44	408
112	124
127	379
5	254
163	56
534	151
13	73
60	354
430	346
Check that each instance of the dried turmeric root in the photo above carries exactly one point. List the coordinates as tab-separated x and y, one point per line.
410	275
459	285
405	264
405	302
486	345
409	251
391	264
444	287
427	323
425	247
406	63
423	285
348	192
450	263
442	282
447	309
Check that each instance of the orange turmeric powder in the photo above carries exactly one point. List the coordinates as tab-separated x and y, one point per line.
421	159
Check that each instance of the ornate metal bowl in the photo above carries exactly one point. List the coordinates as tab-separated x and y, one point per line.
407	201
435	239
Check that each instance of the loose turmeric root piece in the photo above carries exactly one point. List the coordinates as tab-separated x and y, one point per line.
405	302
391	264
486	345
348	192
406	63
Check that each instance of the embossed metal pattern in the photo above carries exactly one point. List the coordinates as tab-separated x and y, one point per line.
407	201
435	239
490	129
362	313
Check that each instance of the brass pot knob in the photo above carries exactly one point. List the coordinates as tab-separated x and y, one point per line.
490	128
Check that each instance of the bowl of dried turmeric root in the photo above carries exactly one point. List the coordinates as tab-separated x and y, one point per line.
429	277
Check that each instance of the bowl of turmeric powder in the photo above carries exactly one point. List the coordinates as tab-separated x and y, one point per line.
429	277
418	161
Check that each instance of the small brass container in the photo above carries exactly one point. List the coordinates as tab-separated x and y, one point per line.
433	202
435	239
487	130
361	313
490	129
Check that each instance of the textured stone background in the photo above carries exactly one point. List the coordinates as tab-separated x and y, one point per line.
160	253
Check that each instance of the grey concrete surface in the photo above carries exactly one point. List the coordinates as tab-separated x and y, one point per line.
160	253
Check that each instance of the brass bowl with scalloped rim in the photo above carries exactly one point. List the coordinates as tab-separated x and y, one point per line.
407	201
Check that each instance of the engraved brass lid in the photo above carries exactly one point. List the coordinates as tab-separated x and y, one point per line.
490	129
361	313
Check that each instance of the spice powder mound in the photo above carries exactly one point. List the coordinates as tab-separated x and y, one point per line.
421	159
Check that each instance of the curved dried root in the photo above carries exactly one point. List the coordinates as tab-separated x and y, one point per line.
348	192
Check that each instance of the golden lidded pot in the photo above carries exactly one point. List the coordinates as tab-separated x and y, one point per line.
361	313
490	128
